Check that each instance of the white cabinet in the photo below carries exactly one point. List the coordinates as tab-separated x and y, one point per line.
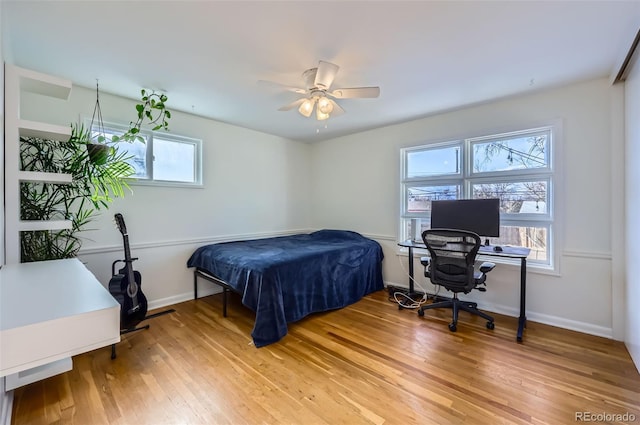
51	310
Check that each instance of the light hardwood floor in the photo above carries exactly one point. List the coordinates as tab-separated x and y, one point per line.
369	363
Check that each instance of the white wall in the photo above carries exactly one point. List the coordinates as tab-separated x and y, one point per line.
2	58
356	186
6	398
254	185
632	196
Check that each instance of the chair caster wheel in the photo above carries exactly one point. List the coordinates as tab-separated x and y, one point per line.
420	312
453	327
490	325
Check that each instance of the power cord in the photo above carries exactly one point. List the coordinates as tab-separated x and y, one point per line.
405	301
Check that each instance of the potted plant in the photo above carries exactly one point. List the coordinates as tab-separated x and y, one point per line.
92	188
99	173
150	108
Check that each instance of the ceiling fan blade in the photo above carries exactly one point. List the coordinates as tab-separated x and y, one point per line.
292	105
326	73
281	86
337	109
355	92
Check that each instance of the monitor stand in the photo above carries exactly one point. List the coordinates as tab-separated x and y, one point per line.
486	242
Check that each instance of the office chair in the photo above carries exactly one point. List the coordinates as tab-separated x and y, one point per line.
452	266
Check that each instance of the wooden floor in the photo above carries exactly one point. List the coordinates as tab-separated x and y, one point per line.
367	363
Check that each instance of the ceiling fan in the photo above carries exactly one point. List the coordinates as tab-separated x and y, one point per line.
317	94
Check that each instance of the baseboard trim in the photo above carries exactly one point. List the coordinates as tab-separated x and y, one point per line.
203	291
546	319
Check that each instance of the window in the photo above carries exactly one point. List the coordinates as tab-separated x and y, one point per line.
514	167
163	159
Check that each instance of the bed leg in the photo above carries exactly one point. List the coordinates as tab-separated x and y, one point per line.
195	285
224	302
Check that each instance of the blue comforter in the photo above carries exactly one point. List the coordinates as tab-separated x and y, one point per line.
283	279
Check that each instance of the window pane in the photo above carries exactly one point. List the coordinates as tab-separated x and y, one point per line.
419	197
173	161
534	238
529	197
425	224
138	152
433	162
518	153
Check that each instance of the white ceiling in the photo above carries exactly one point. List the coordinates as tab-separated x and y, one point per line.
426	56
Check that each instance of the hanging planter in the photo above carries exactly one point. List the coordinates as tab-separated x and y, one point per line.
98	152
151	109
97	147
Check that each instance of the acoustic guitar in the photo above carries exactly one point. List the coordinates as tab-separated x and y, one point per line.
126	286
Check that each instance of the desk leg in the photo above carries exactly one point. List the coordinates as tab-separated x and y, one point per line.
522	320
411	271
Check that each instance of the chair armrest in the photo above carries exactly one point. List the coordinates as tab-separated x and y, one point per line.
487	266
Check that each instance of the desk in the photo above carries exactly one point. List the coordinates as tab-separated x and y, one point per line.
507	252
52	310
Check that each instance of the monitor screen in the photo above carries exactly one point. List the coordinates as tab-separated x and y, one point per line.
481	216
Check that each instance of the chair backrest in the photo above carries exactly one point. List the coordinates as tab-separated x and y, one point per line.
453	255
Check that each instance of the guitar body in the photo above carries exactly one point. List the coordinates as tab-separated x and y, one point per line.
129	318
125	286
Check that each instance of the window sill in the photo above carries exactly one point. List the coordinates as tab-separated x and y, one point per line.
159	183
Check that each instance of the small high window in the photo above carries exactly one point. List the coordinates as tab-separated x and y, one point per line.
163	158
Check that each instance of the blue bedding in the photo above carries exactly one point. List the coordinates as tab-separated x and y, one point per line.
283	279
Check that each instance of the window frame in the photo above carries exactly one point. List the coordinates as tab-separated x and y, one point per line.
149	135
467	178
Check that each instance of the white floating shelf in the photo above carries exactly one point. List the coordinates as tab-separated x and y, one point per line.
34	225
37	176
43	130
44	84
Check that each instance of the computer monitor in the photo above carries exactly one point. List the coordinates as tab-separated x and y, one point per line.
481	216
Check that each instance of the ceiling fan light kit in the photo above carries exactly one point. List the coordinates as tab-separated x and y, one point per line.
306	108
317	95
324	105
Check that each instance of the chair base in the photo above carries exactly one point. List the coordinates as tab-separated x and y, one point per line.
456	305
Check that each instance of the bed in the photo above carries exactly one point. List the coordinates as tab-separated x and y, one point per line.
283	279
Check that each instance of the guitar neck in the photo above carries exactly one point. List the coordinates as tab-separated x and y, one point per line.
127	258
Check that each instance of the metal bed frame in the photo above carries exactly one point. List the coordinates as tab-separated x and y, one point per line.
213	279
